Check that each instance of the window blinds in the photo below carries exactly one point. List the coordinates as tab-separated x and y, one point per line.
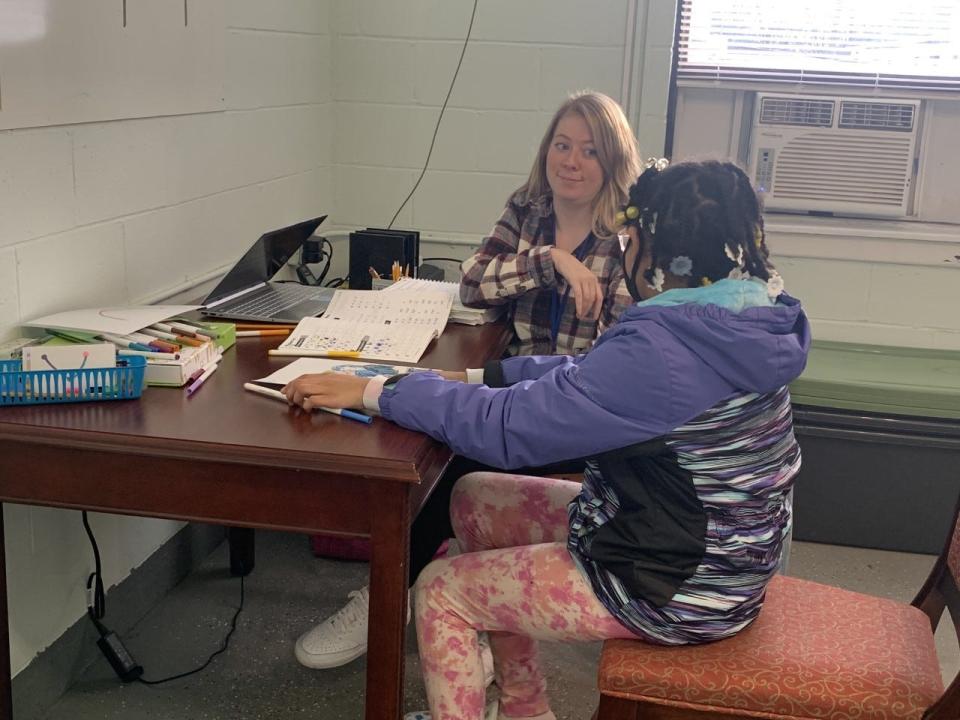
872	43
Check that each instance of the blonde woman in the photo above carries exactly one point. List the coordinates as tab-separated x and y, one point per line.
553	255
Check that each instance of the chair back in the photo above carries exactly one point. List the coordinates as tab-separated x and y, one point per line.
942	591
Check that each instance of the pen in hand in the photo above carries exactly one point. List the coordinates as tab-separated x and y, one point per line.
277	395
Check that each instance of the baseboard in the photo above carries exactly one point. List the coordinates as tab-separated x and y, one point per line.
38	686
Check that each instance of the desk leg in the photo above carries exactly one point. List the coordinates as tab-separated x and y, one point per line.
242	550
390	555
6	694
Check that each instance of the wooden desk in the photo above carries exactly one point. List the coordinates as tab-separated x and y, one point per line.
231	457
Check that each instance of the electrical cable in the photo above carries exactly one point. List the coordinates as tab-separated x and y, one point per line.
433	140
223	648
110	644
98	608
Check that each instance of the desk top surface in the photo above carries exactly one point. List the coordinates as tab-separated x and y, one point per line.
224	422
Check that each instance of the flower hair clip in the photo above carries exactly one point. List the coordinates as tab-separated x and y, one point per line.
660	164
655	279
774	285
681	266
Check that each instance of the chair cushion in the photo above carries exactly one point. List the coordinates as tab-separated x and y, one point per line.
815	651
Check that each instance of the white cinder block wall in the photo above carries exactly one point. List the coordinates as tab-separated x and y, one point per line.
394	62
128	211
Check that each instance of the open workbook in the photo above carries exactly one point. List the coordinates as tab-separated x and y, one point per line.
392	327
459	313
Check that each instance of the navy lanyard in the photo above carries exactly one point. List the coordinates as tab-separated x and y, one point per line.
558	303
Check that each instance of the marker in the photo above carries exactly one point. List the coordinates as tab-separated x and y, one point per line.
181	331
165	346
151	354
277	395
203	329
262	333
208	370
264	326
124	343
189	331
153	332
151	342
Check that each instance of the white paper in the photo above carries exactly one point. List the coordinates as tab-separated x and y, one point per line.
459	313
393	343
115	320
69	357
306	366
419	308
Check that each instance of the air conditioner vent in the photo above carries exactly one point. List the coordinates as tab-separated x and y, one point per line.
876	116
860	164
820	166
796	111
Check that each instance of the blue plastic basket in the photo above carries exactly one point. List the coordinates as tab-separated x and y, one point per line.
19	387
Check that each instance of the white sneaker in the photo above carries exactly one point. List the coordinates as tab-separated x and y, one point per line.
340	638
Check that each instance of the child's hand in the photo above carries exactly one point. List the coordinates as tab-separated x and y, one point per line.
583	283
329	389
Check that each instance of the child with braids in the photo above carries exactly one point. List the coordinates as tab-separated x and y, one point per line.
683	415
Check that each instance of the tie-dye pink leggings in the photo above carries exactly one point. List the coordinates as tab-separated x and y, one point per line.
516	580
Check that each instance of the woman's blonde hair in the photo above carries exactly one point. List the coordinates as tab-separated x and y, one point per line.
616	149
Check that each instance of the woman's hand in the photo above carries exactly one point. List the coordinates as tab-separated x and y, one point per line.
329	389
583	283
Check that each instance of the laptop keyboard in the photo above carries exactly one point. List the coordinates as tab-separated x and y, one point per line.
275	299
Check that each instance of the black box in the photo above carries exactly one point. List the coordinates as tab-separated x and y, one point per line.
875	481
379	249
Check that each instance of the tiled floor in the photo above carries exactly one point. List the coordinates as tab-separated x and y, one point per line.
290	590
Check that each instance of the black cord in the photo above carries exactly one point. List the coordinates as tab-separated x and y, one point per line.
439	118
441	258
336	282
223	648
99	607
326	257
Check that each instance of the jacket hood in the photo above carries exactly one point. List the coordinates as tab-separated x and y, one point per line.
755	347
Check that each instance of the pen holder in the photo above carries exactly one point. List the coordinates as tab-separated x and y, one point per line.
21	387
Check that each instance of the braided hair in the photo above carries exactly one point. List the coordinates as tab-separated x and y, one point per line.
702	220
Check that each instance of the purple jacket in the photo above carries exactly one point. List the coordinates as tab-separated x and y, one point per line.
660	367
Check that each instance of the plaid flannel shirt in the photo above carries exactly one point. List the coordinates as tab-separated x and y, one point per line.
514	266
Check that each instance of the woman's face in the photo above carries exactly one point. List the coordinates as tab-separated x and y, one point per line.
573	168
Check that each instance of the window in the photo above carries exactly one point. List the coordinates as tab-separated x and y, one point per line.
836	108
871	43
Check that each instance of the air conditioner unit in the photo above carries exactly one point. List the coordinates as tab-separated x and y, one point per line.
843	155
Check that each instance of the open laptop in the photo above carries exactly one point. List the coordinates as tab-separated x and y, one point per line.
247	293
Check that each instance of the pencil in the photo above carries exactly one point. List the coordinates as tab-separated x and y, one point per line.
294	352
262	333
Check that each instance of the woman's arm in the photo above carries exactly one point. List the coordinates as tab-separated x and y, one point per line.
498	272
615	303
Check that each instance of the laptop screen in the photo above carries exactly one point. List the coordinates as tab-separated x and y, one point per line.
262	261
